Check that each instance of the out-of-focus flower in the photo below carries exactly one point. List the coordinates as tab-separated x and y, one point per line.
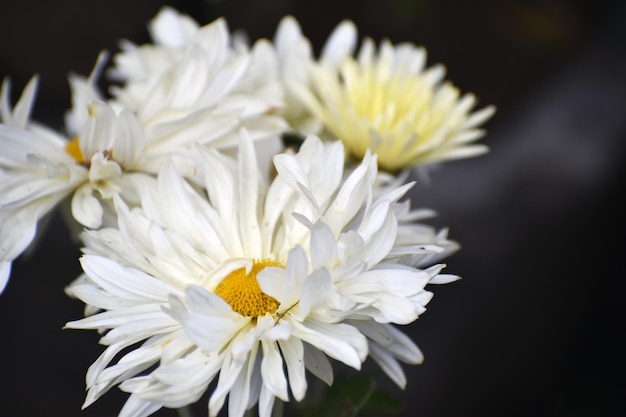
36	173
194	78
250	284
387	101
39	167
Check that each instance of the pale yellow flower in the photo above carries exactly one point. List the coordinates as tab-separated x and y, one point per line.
389	102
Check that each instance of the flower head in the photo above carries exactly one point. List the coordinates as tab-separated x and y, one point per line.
387	101
250	282
35	175
193	78
40	167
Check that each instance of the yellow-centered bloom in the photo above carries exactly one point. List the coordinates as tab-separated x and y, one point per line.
249	283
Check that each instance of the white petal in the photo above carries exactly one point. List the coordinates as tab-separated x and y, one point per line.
397	310
112	319
266	402
293	352
196	368
288	34
130	140
403	347
388	364
83	91
202	301
124	282
136	407
220	184
315	289
86	209
228	376
291	171
318	364
353	194
403	282
239	396
17	231
284	284
23	107
5	271
248	197
323	246
171	28
98	132
18	144
340	43
444	279
339	341
210	332
272	371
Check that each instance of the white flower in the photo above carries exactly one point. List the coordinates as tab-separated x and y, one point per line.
35	175
250	284
192	79
39	167
388	102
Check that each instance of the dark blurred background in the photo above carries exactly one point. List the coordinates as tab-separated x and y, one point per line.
534	328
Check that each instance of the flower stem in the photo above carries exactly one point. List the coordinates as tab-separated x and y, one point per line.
277	411
184	411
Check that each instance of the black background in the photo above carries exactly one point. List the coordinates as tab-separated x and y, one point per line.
534	328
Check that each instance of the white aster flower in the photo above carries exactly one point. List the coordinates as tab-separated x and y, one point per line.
387	101
248	285
107	156
193	79
35	175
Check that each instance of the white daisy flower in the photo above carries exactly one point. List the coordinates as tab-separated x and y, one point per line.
35	175
107	156
193	79
387	101
248	285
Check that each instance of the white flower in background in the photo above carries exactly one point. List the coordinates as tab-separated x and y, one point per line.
35	175
193	79
39	167
387	101
250	284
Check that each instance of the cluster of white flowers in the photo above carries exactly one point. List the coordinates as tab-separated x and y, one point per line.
213	249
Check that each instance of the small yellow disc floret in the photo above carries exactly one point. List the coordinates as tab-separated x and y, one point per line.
73	150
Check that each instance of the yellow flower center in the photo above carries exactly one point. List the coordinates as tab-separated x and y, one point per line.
243	292
73	149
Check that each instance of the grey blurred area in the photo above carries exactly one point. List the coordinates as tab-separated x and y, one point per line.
535	326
